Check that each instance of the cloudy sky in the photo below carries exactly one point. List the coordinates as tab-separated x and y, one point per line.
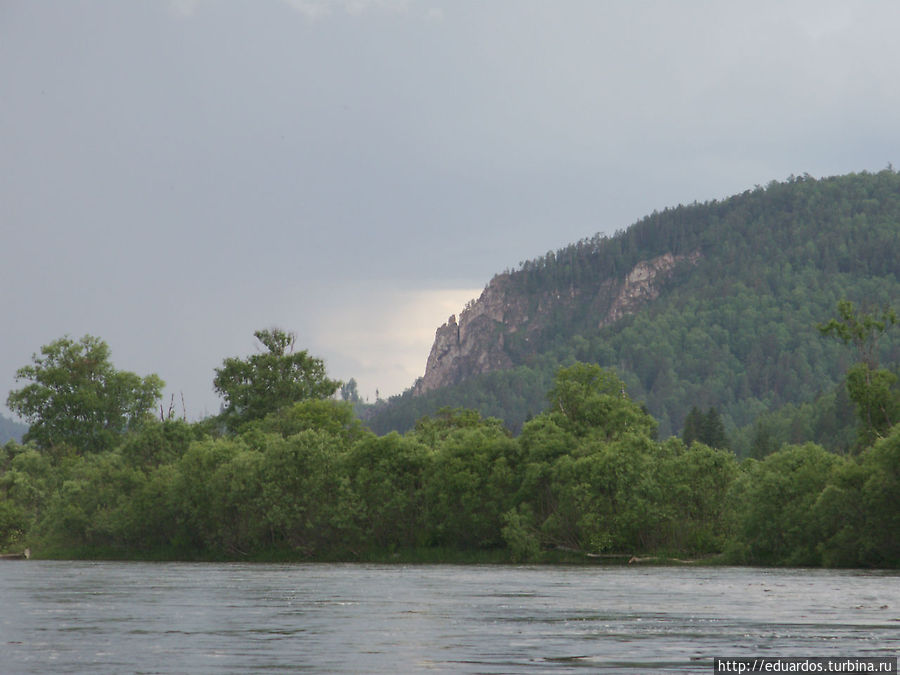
175	174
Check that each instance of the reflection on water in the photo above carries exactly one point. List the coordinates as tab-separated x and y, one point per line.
237	618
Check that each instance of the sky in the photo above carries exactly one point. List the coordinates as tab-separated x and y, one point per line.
176	174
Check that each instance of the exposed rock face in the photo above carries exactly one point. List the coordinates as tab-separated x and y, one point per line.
476	343
642	283
472	346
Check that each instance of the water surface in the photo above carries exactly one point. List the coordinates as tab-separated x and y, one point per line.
81	617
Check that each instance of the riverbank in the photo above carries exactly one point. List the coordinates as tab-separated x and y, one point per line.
407	556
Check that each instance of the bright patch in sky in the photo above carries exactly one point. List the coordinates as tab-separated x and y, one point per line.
390	340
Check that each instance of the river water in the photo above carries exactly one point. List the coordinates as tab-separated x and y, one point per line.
108	617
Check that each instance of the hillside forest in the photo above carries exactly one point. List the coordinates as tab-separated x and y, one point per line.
734	330
750	415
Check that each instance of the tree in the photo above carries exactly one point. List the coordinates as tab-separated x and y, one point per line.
870	388
705	428
387	475
776	505
76	396
468	486
349	391
335	417
584	469
588	399
267	382
877	401
693	425
860	329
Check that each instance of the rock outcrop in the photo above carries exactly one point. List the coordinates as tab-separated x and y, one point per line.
476	343
642	284
472	346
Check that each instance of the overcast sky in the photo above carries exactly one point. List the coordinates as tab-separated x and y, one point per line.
175	174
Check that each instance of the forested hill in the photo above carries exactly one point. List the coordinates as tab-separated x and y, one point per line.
706	305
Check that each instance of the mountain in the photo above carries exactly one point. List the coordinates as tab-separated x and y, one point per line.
705	305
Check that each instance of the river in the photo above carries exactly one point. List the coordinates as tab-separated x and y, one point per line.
110	617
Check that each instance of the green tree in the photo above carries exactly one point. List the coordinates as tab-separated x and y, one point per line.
870	388
468	486
705	428
160	442
76	397
588	399
694	484
714	430
214	493
92	506
587	470
860	329
775	505
433	431
693	424
387	476
877	401
335	417
306	502
269	381
25	482
13	523
881	500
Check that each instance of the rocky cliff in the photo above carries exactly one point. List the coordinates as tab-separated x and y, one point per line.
477	342
642	284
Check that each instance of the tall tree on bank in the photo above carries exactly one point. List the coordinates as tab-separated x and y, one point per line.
77	397
870	388
269	381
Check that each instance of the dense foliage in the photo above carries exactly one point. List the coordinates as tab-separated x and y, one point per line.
587	476
736	331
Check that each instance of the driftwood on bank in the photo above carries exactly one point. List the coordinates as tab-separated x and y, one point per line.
24	555
658	559
632	559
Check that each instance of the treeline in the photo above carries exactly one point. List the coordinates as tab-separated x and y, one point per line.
785	212
735	331
288	472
